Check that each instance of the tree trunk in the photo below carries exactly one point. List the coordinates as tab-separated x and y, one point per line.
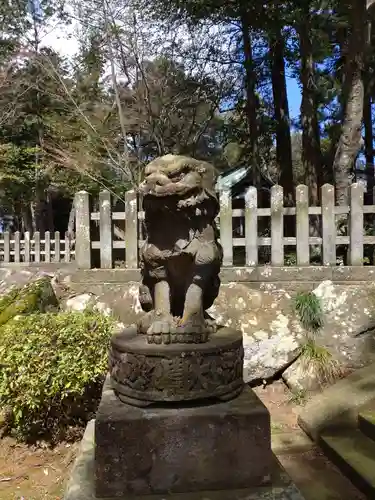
353	96
281	110
27	220
367	121
369	151
311	152
38	210
49	213
251	97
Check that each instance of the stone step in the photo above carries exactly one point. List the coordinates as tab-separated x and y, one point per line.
354	454
366	422
332	409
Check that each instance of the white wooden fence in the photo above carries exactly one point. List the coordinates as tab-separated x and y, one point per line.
13	249
28	249
249	215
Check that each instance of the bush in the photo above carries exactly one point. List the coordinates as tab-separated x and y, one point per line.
35	296
51	371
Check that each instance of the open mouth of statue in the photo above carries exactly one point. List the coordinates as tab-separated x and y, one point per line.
180	184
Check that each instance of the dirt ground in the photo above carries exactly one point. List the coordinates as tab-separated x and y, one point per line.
31	473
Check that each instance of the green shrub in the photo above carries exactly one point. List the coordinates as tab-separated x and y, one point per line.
309	311
51	371
36	296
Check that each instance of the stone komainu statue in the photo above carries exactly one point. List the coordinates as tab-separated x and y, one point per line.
181	257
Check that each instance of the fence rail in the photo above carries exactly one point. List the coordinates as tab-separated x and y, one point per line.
245	232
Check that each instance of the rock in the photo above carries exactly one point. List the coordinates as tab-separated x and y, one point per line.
35	296
349	323
329	297
79	302
15	278
120	302
271	332
347	334
123	302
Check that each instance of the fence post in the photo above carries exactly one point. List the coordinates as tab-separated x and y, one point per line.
67	247
251	226
37	247
105	227
131	229
302	225
356	225
57	247
47	246
83	236
27	247
7	247
277	226
328	225
226	227
17	247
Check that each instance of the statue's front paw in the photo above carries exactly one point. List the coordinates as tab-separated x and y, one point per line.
161	329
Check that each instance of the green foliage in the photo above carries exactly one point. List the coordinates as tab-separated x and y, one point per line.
37	296
18	173
52	368
309	311
291	259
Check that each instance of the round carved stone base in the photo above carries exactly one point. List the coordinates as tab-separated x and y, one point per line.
143	374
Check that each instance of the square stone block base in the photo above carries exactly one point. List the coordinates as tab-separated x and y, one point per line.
163	450
81	485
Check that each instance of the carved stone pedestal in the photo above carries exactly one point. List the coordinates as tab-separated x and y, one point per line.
143	374
190	448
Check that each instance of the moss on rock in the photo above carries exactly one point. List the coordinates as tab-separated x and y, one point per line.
37	296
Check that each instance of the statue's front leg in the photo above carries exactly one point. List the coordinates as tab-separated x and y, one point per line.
193	319
162	297
193	307
163	322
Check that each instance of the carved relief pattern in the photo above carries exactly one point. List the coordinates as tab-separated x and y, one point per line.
194	375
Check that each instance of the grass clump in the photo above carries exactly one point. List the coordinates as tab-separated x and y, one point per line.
309	311
52	367
320	362
316	362
298	398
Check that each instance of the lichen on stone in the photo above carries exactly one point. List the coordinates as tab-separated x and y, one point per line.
37	296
